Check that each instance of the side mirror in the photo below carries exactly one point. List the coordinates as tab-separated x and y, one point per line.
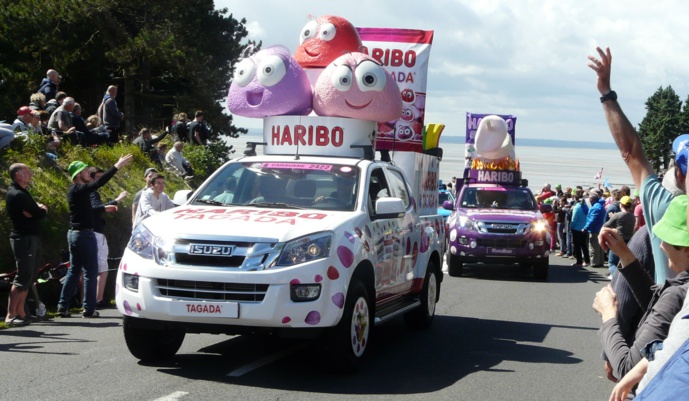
448	205
545	208
181	197
389	208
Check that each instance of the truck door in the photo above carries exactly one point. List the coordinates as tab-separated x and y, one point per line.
390	278
408	232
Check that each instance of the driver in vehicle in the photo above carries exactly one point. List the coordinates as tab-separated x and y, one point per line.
343	193
270	189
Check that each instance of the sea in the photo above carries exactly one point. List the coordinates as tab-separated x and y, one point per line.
568	163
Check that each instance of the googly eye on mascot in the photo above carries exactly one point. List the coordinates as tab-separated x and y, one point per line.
269	83
493	146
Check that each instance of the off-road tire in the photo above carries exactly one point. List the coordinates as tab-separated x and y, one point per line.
455	266
151	345
540	269
350	338
422	317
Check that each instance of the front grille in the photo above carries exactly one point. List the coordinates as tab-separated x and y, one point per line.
500	243
206	260
212	291
501	230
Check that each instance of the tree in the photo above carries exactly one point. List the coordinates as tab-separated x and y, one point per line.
684	118
175	55
660	126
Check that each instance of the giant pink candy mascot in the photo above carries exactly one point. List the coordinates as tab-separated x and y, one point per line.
356	86
269	83
324	39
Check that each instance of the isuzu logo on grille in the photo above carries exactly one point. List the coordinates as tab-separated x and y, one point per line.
502	226
210	250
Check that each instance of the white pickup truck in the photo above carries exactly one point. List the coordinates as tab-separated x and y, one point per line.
306	240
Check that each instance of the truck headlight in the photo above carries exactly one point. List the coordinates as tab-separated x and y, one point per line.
146	245
539	226
466	223
141	242
305	249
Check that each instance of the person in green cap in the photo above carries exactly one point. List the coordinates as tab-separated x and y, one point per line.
661	302
83	247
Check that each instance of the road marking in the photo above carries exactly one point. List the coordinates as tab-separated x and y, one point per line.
266	360
172	397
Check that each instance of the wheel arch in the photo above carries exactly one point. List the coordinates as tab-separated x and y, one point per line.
364	273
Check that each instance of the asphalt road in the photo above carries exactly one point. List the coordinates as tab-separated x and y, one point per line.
498	335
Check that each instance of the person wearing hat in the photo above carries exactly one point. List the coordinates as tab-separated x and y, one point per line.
83	247
27	121
654	198
594	222
622	221
545	193
148	174
663	302
558	190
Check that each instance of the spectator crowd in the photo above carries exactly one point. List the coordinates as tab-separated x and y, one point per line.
56	117
644	333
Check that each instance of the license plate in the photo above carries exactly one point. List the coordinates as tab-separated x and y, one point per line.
205	309
500	251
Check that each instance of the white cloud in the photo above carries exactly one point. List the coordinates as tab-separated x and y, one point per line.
526	57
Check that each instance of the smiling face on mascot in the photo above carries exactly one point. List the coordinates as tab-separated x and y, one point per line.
357	86
269	83
324	39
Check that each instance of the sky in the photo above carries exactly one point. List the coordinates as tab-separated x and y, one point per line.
527	58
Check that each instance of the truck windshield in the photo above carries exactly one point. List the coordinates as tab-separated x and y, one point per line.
291	185
498	198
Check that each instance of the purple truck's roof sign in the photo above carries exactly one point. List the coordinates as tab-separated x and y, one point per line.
504	177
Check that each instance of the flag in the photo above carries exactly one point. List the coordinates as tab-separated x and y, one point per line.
599	175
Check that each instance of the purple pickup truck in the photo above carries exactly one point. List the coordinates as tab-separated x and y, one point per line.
496	220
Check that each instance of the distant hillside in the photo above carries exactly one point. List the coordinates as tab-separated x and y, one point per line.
545	143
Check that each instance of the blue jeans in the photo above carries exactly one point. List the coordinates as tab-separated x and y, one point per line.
83	256
562	237
569	252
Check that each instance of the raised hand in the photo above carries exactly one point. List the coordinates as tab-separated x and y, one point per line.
602	68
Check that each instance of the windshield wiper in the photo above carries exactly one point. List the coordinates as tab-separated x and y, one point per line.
211	202
274	204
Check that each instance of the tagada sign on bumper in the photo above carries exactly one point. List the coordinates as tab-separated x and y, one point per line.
315	135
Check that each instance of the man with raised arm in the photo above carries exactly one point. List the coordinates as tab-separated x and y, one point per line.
654	198
83	246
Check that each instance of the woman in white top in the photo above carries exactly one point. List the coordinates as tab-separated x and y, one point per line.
153	200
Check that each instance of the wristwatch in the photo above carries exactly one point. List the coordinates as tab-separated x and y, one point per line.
609	96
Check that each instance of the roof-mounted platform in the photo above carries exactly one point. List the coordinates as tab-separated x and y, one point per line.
502	177
317	136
